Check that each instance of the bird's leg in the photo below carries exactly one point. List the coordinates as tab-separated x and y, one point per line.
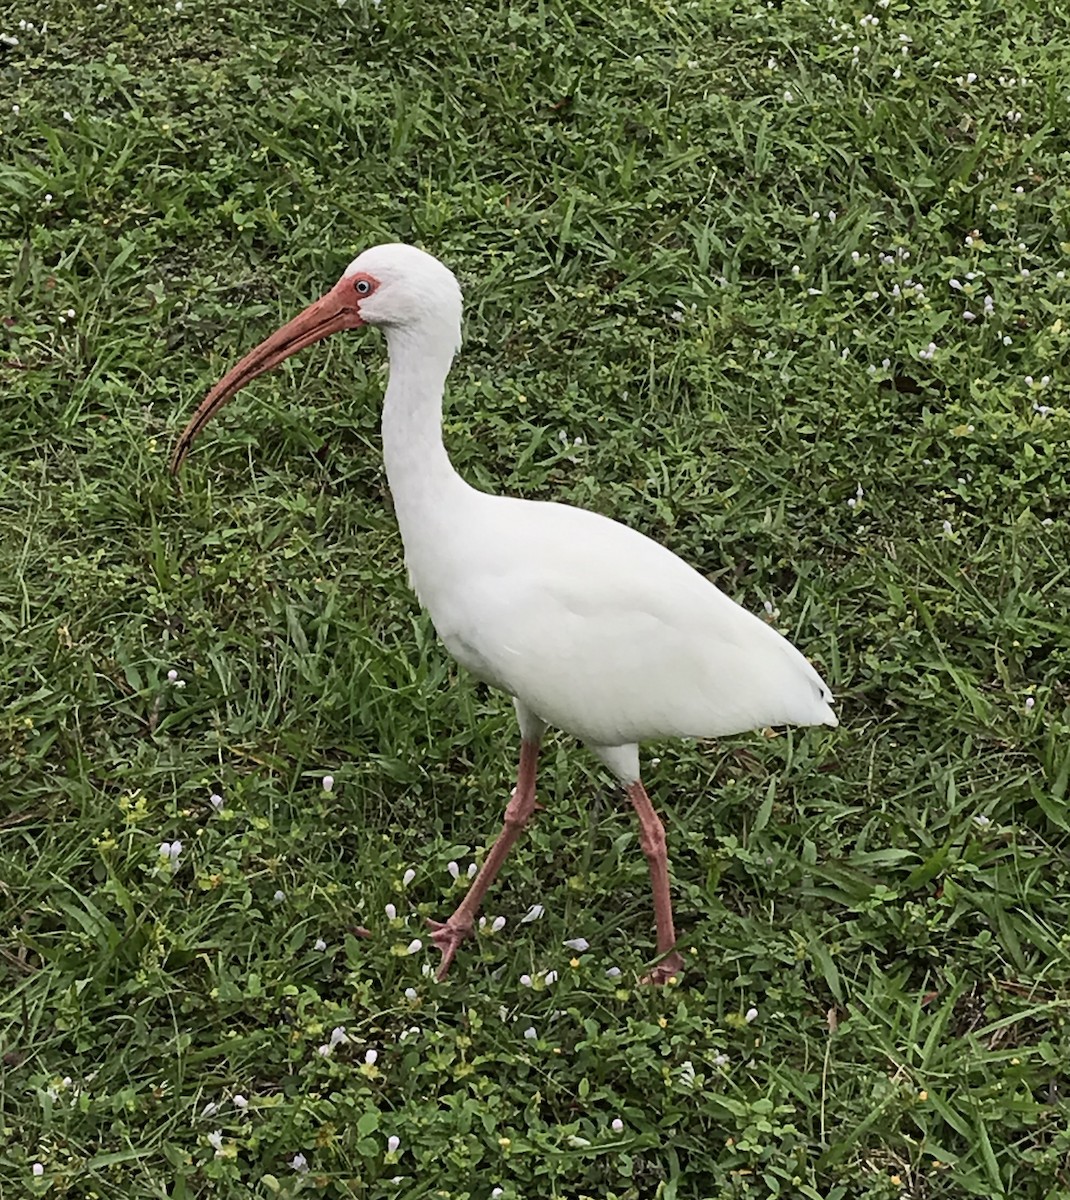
652	839
448	935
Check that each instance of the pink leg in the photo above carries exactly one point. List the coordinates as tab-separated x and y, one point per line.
448	935
652	839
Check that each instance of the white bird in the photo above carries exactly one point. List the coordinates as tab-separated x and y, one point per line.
590	626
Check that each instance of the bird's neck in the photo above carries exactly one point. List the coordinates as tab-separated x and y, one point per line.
425	487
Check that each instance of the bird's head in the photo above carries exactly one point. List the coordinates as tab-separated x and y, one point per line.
398	287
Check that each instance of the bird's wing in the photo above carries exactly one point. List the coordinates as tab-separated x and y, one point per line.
608	635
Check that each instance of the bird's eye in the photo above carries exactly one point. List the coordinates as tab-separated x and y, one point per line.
362	287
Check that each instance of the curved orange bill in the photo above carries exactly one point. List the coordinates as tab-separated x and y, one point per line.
333	312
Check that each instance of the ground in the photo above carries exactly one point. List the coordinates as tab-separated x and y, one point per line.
782	286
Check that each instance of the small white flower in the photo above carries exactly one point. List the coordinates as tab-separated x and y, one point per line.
525	981
832	214
454	870
15	109
530	1033
215	1140
1029	381
371	1057
299	1164
969	316
339	1037
788	97
175	851
279	896
172	675
533	914
472	869
578	944
495	1193
165	849
851	502
720	1060
414	947
947	527
67	116
210	1109
617	1125
1030	701
328	783
324	1050
408	877
550	977
48	197
750	1015
613	972
178	5
855	256
795	272
813	291
393	1144
1006	339
497	925
319	945
240	1102
411	993
391	912
982	821
216	801
1025	272
38	1169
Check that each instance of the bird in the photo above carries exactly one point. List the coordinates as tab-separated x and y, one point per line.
590	626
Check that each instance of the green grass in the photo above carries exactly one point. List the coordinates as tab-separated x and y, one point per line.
626	193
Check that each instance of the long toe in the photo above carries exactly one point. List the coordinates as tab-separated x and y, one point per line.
448	937
670	967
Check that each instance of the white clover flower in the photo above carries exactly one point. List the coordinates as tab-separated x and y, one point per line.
371	1057
391	912
408	877
617	1125
327	783
533	914
299	1164
578	944
38	1169
530	1033
319	945
393	1144
172	675
750	1015
414	947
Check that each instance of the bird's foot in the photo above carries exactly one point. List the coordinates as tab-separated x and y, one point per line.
448	936
669	968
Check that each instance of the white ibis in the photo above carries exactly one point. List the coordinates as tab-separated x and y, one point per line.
590	626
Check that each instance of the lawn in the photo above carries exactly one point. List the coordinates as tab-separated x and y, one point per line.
783	286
